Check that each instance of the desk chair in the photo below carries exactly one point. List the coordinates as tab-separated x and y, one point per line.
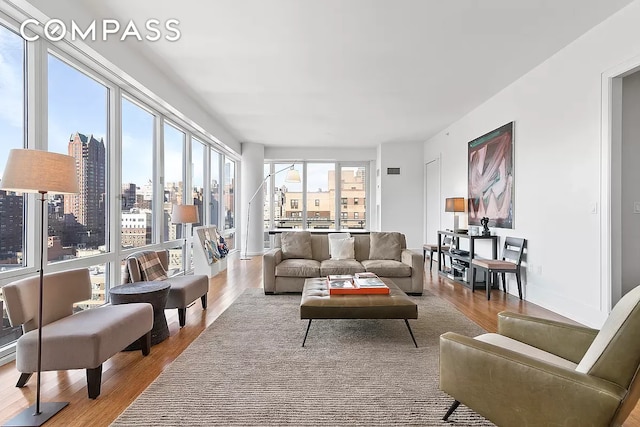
510	263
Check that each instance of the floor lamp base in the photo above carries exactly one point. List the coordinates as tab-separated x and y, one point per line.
28	418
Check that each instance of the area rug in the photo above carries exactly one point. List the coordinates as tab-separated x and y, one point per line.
248	369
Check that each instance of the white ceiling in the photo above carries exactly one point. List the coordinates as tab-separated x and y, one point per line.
331	73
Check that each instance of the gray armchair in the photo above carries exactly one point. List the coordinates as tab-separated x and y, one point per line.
538	372
184	289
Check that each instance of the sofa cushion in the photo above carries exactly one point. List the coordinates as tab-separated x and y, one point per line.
385	246
387	268
296	244
331	266
298	268
342	249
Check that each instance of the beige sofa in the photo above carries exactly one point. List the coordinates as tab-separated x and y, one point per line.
299	255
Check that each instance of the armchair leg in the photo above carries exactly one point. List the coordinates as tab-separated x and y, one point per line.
452	408
145	343
94	378
182	316
22	381
203	300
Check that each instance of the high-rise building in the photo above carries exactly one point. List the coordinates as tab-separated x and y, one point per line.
88	206
11	226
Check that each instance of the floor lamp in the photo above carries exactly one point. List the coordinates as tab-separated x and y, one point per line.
292	176
184	214
35	171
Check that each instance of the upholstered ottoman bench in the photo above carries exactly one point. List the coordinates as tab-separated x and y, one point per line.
316	303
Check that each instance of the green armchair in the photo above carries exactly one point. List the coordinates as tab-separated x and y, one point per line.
539	372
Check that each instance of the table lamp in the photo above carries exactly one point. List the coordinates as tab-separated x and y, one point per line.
35	171
455	205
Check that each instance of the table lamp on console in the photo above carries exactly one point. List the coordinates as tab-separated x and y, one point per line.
455	205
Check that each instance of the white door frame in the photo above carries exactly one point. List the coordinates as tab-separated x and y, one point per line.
610	181
425	237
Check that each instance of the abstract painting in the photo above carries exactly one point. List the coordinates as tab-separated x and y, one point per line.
491	178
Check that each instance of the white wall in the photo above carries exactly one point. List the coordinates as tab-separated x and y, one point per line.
557	112
630	182
401	202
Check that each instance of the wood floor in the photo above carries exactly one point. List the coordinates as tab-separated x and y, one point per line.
126	375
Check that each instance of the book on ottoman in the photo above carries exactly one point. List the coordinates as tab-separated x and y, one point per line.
343	284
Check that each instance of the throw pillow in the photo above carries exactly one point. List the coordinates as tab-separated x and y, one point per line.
385	246
336	236
296	244
342	248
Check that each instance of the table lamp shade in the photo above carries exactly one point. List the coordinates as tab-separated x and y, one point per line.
36	171
184	214
454	204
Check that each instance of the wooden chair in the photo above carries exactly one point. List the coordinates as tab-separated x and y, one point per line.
446	241
510	263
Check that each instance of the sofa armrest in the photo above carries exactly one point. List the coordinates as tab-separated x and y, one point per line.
269	261
483	377
416	262
568	341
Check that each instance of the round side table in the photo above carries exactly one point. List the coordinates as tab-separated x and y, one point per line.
155	293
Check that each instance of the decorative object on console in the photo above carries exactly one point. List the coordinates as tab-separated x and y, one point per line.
292	176
35	171
184	214
455	205
485	224
491	187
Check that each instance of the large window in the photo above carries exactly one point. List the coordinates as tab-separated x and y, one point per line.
173	186
353	185
197	177
229	193
321	195
329	203
284	192
214	188
78	127
136	160
136	222
12	131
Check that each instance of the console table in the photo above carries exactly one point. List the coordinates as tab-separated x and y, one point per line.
463	259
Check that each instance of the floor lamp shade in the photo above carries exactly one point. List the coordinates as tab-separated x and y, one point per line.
35	171
184	214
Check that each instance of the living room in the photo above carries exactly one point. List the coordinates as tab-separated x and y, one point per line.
572	98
